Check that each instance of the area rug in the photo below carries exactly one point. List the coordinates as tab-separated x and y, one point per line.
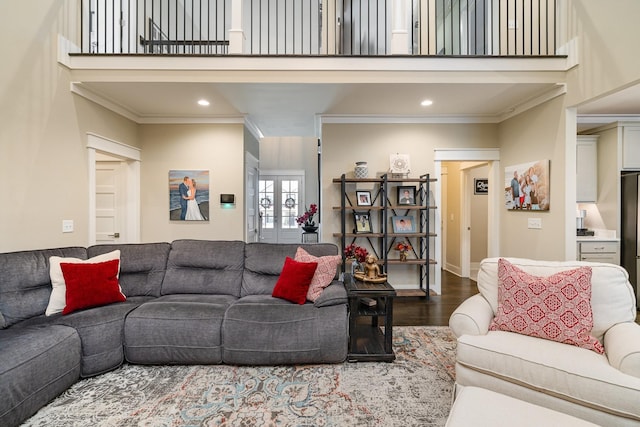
414	390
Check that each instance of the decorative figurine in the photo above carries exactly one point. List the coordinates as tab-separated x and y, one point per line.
371	271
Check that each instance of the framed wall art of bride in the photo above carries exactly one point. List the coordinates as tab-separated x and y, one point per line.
189	195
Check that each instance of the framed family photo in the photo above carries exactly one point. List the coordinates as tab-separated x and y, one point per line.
403	224
406	195
362	222
526	186
188	195
363	198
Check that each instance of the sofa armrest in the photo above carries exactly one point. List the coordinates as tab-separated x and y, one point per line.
622	344
472	317
333	294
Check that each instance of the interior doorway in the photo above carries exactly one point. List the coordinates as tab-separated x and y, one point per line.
457	228
127	159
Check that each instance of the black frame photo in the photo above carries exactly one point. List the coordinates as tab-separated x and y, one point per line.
406	195
363	198
403	224
362	222
480	186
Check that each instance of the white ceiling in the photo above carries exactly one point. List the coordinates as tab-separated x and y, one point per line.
290	109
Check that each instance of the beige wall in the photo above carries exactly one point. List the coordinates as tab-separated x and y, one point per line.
537	134
608	39
43	154
216	148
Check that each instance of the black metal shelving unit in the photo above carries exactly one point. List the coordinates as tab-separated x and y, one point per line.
382	242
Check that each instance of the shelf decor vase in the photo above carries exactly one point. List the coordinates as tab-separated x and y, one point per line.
403	256
355	267
361	170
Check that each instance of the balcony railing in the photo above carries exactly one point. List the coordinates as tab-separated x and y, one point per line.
320	27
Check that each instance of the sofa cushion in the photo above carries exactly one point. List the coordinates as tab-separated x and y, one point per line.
142	266
568	372
263	263
326	271
26	286
295	278
38	363
57	300
262	330
612	297
204	267
91	285
177	329
557	307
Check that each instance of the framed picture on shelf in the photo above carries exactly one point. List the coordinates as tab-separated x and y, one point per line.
363	198
406	195
362	222
403	224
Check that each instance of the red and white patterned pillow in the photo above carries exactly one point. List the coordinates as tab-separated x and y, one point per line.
326	271
556	308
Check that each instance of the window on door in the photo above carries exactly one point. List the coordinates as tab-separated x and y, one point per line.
280	204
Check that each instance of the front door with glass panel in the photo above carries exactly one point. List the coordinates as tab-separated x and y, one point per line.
280	197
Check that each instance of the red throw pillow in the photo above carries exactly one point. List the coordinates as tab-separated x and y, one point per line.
324	274
91	285
294	280
556	308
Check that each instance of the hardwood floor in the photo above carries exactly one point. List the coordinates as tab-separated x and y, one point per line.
418	311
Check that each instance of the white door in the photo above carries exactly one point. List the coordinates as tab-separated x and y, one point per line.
110	197
280	200
251	199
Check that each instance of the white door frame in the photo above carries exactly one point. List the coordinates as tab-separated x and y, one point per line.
129	154
251	209
492	157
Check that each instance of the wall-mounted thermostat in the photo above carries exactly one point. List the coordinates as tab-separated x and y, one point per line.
228	199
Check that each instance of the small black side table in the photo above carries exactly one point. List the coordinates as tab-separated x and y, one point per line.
367	341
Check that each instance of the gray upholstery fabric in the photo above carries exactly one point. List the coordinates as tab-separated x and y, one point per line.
101	332
25	285
177	329
261	330
264	261
142	266
204	267
38	363
333	294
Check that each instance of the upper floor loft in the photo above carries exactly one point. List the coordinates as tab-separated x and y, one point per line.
292	62
523	28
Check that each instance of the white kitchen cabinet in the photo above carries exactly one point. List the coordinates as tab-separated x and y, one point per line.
630	147
587	169
599	251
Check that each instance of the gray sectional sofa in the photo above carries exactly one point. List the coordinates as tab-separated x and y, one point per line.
188	302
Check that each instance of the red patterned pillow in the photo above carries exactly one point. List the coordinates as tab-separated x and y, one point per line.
91	285
556	308
294	280
324	274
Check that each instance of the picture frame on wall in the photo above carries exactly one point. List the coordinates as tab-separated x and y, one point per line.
526	186
362	221
481	186
188	195
406	195
363	198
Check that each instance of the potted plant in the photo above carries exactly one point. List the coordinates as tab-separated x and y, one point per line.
306	220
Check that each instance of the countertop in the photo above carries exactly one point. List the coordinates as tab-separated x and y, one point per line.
596	239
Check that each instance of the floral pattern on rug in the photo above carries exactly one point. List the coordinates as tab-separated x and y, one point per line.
414	390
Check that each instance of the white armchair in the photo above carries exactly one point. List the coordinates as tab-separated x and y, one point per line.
601	388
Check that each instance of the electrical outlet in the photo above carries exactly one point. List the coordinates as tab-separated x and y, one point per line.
535	223
67	226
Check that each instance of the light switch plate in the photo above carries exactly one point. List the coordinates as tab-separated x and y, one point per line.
67	226
535	223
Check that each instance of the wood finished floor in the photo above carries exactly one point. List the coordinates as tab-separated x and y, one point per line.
418	311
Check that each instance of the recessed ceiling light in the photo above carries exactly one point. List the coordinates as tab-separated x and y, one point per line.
203	103
426	102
